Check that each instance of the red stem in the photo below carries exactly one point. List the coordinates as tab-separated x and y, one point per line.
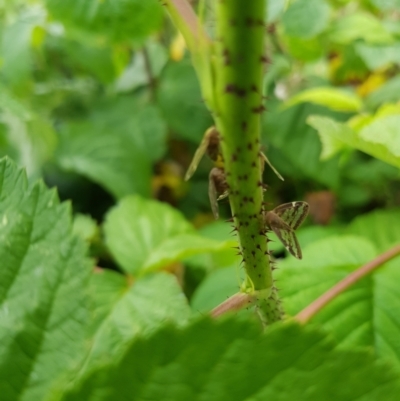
311	310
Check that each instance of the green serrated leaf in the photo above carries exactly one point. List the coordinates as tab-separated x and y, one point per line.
333	98
359	25
378	227
384	147
363	315
238	362
124	311
146	235
43	278
376	57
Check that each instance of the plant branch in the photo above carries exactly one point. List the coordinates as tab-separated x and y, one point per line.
230	73
311	310
233	303
187	22
238	100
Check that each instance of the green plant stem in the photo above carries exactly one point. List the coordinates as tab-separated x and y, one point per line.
311	310
239	104
230	73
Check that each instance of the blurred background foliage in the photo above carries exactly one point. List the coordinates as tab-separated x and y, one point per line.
99	98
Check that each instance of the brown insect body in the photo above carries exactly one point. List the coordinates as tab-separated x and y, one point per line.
210	145
213	141
284	220
217	188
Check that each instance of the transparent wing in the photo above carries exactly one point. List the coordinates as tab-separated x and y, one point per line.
223	196
212	193
210	144
197	157
292	213
266	160
288	238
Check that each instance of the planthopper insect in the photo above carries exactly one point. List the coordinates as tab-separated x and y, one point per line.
284	220
210	145
217	188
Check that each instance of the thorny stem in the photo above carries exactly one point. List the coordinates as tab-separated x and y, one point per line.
311	310
239	104
230	73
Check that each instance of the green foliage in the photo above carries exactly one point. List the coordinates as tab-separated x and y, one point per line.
233	364
123	20
298	145
100	99
168	236
180	101
361	316
123	311
47	298
44	277
124	147
360	25
306	18
329	97
380	138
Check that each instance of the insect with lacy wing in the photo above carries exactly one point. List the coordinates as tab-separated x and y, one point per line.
210	144
218	187
284	220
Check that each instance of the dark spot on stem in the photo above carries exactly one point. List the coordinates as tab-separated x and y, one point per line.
258	109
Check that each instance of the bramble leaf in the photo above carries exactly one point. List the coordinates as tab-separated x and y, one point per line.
233	360
43	279
145	235
125	310
378	139
359	25
332	98
365	314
